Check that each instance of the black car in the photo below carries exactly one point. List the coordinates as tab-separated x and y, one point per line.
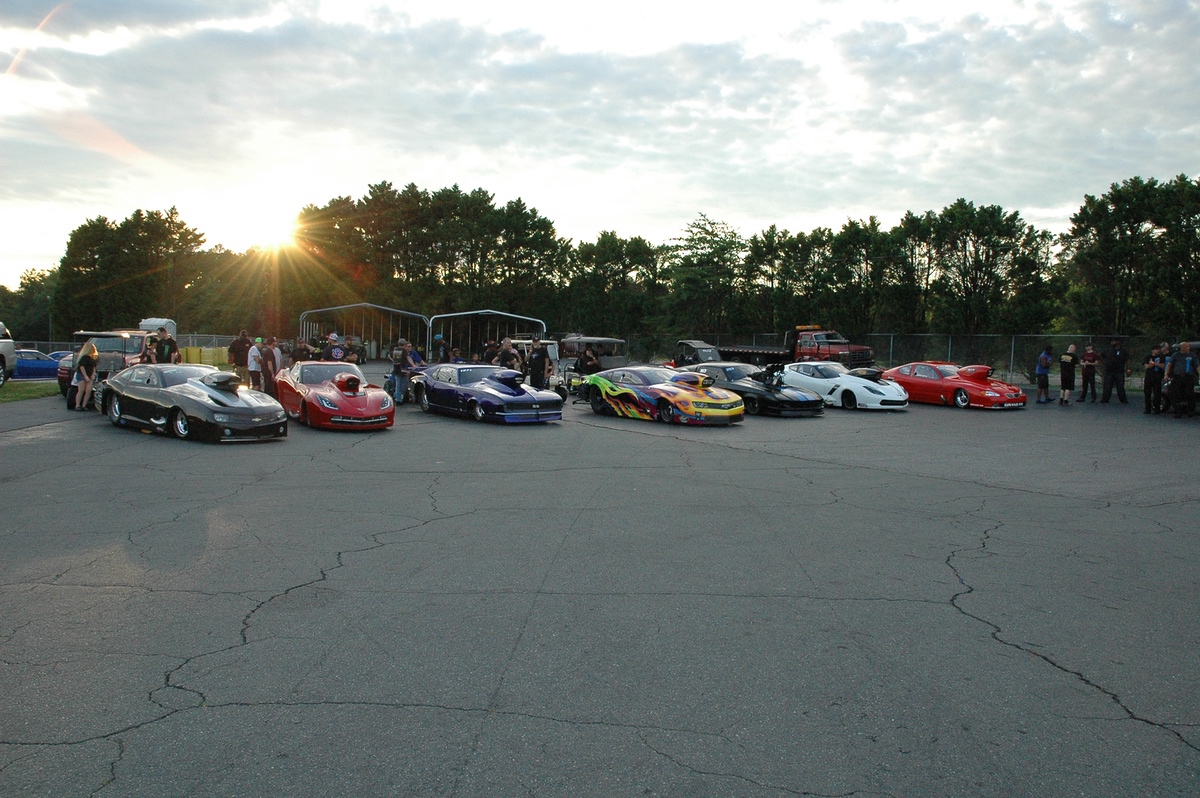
761	394
191	401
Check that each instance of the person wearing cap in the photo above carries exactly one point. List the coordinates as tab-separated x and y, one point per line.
441	350
539	364
1181	371
254	364
334	350
1152	382
1116	369
1088	361
239	353
166	350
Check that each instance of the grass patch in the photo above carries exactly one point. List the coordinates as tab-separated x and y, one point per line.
15	390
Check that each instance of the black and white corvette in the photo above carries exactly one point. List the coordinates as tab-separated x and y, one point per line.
191	401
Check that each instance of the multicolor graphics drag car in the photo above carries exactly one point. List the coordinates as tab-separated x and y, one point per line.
655	393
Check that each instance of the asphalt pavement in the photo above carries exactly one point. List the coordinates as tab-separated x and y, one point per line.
934	602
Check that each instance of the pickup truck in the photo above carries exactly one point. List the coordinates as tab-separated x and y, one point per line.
803	342
113	350
8	355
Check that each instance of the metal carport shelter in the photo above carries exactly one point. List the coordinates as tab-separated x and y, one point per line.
376	325
492	324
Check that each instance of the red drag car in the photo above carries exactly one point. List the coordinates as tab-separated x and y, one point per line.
941	383
334	396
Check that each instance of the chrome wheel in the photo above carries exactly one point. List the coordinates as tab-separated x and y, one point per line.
961	399
477	411
179	424
423	400
114	410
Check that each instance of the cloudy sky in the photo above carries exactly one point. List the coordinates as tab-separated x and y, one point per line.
626	116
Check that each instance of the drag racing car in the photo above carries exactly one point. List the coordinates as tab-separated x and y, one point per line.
838	386
657	393
940	383
484	393
761	390
333	395
190	401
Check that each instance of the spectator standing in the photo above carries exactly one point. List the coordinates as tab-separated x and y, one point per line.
1116	369
84	380
166	350
507	357
587	363
1181	371
239	354
1088	360
490	350
399	369
1066	375
456	356
1155	365
1042	373
539	364
441	351
270	365
254	364
335	351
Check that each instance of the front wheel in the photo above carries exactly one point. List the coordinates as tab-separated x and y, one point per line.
114	410
849	400
961	399
667	413
753	406
423	400
476	411
179	425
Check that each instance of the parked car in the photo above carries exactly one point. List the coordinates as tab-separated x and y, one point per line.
941	383
657	393
35	365
60	354
484	393
839	386
190	401
762	391
334	396
8	355
113	350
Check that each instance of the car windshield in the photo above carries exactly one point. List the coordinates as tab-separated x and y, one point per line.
740	371
829	371
181	374
829	338
475	374
317	373
948	371
118	344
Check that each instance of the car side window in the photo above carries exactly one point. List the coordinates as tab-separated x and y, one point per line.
906	370
140	376
926	372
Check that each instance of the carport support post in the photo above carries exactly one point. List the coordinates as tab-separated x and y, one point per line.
1012	358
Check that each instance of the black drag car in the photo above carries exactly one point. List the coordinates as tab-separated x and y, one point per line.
761	393
191	401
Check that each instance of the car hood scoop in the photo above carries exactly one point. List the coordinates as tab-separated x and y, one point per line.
874	375
509	378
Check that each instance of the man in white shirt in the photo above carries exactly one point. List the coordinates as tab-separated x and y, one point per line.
254	364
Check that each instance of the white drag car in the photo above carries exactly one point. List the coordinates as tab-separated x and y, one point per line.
849	388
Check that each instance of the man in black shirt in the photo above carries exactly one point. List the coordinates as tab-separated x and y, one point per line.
1155	363
239	353
539	364
166	350
1116	369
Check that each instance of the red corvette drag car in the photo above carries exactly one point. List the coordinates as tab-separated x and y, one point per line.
941	383
334	396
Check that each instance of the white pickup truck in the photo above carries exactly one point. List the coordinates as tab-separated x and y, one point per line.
8	355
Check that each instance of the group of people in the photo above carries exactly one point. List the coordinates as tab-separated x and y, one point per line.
1161	368
161	347
256	361
406	359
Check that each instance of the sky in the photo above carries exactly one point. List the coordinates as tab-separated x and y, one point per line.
634	117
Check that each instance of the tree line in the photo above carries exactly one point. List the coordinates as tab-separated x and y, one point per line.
1129	265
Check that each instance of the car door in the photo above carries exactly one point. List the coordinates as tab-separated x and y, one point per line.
926	384
140	392
441	388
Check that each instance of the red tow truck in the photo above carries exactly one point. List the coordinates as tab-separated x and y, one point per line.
803	342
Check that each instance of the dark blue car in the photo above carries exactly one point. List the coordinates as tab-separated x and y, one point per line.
35	365
484	393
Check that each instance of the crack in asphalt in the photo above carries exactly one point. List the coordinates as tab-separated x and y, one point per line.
997	634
